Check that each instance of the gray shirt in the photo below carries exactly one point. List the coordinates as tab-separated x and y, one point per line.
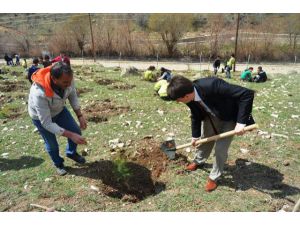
43	108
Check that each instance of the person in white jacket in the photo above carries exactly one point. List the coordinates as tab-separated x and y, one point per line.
51	87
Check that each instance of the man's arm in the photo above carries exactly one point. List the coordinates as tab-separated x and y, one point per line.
243	96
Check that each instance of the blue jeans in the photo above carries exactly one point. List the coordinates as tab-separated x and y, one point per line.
65	120
227	71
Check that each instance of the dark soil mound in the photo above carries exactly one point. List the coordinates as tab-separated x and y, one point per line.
104	81
121	86
144	168
9	86
100	111
80	91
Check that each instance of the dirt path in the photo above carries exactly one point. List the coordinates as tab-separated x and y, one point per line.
286	68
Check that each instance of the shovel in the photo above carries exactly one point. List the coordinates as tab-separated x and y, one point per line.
169	147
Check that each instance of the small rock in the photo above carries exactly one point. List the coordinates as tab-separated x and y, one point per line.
94	188
148	137
248	163
48	179
260	132
244	150
274	115
114	141
5	129
120	145
164	129
295	116
286	163
5	154
85	152
160	112
35	130
188	149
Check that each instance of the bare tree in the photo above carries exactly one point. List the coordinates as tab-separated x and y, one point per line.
171	27
292	27
78	25
216	23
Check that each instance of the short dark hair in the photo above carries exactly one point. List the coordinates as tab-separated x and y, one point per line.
250	68
179	86
151	68
60	68
35	61
260	68
232	55
46	57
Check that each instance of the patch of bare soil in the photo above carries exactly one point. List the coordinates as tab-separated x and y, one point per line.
103	81
9	86
121	86
11	113
145	168
80	91
100	111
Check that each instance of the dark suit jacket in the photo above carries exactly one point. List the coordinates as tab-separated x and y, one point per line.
227	101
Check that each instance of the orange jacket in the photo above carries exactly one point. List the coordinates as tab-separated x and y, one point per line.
42	77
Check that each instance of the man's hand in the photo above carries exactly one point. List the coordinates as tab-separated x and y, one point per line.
76	138
82	122
194	140
239	129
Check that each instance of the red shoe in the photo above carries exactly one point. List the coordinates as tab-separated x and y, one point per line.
210	185
192	167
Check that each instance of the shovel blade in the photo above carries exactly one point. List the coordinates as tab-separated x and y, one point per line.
169	148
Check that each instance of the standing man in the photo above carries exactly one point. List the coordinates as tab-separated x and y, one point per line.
33	68
51	87
62	58
216	65
216	107
229	65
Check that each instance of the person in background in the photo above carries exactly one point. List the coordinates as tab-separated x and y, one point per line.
33	68
24	63
229	65
261	76
160	88
247	74
149	74
216	65
46	61
8	60
17	60
62	58
165	74
51	88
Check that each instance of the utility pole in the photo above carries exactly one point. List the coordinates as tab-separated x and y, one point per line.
236	39
93	45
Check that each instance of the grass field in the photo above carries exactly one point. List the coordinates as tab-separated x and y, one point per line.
263	176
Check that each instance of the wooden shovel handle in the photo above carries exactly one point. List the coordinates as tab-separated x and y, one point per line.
217	137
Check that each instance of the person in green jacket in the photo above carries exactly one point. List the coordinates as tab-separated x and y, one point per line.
160	88
229	65
149	74
247	74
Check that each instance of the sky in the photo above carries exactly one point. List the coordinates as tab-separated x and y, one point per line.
151	6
